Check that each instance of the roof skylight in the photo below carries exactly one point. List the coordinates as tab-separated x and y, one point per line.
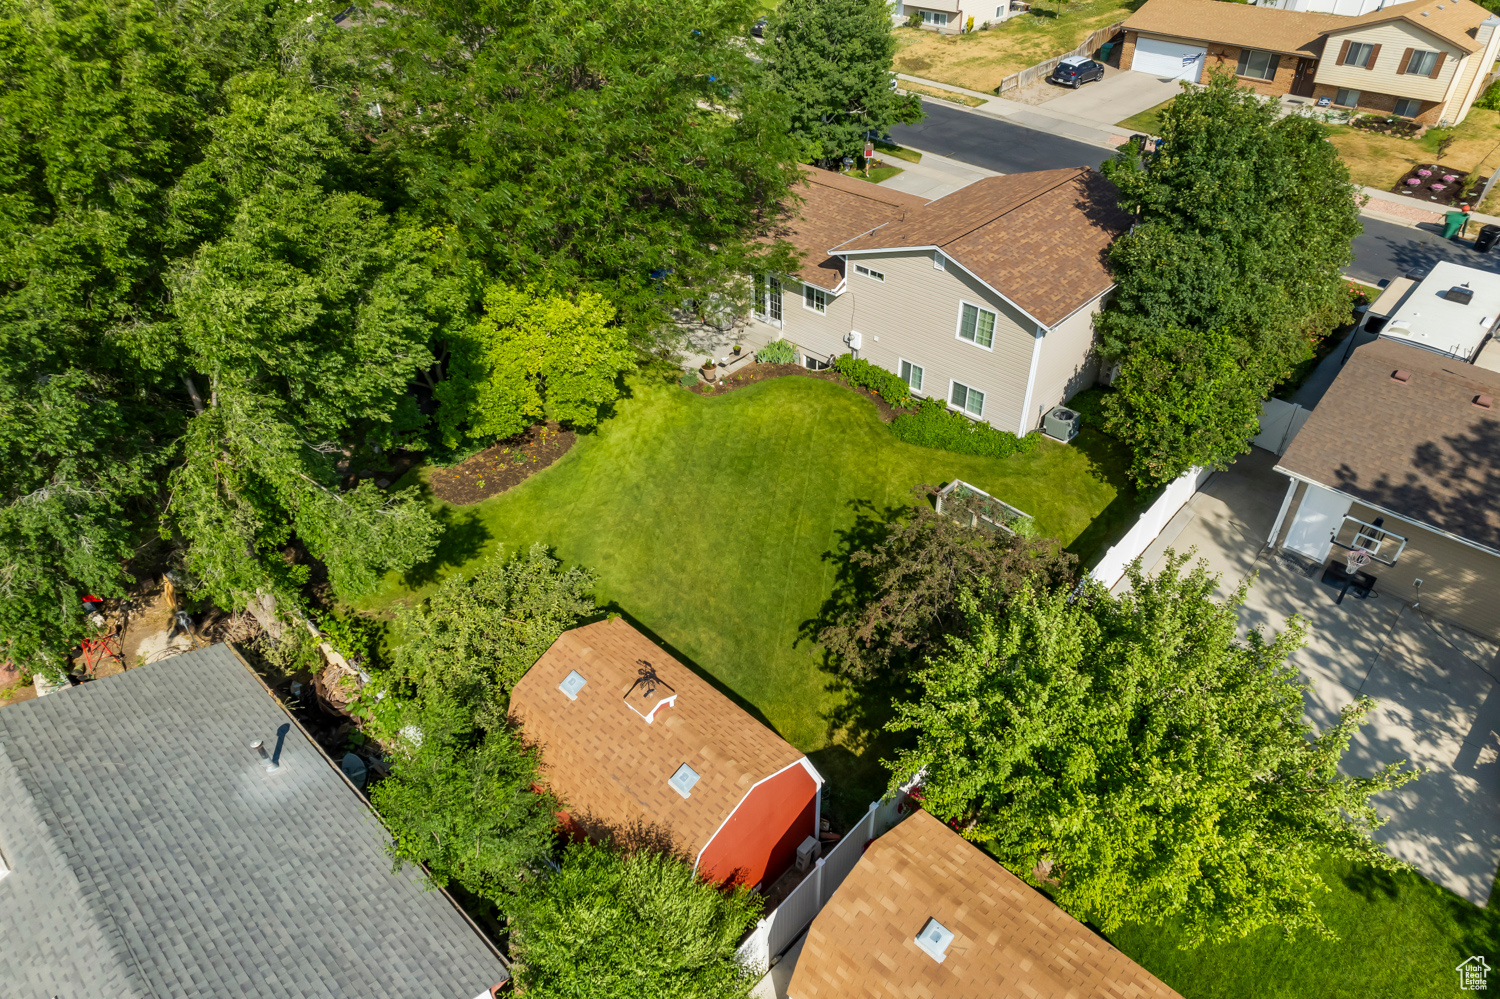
572	684
683	780
934	939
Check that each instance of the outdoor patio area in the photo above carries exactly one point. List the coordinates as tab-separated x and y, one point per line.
1436	686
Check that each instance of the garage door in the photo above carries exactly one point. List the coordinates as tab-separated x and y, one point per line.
1172	60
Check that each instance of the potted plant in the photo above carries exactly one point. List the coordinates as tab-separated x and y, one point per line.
737	349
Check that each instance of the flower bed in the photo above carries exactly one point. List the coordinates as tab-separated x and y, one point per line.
1434	184
1399	127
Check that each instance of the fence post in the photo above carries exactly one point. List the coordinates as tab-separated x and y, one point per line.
818	873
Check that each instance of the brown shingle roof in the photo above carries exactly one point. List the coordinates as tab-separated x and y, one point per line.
611	768
836	208
1009	940
1039	239
1238	24
1421	449
1454	21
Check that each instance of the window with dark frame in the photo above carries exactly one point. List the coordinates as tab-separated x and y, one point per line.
1258	65
1421	63
873	275
1346	98
815	299
1408	107
1359	54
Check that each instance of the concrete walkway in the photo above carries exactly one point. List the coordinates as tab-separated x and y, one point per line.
935	176
1435	684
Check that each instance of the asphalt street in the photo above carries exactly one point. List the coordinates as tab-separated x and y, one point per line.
994	144
1387	250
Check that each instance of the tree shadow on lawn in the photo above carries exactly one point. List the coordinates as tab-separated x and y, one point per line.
1109	461
1476	930
464	537
855	726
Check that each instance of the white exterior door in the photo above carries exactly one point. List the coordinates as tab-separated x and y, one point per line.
1170	60
1318	517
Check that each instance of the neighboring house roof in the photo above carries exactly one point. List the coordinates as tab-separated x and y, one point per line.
1008	938
836	208
1420	449
611	768
1454	21
151	854
1242	25
1039	239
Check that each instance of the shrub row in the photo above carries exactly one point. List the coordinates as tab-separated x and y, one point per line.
862	374
934	425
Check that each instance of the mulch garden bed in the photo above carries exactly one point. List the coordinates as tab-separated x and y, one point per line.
508	463
1433	185
754	372
1399	127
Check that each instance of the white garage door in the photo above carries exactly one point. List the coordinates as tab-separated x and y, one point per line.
1172	60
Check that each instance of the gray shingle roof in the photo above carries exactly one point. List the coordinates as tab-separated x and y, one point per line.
151	855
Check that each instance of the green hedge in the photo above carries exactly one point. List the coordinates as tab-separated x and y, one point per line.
862	374
936	426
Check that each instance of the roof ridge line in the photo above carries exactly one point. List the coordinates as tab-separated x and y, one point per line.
1076	171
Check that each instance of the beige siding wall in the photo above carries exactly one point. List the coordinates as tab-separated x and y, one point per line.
1068	364
821	335
913	315
1394	38
1475	69
1459	583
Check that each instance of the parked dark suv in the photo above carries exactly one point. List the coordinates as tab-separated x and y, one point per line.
1076	70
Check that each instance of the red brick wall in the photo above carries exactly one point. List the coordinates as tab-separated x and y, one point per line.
1373	103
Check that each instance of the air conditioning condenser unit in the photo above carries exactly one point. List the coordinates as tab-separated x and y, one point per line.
1061	424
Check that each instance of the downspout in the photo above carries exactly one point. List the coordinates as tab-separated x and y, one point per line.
1036	356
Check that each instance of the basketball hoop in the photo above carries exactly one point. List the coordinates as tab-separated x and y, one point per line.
1357	558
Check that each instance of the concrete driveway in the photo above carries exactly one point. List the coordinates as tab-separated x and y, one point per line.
1119	95
1435	684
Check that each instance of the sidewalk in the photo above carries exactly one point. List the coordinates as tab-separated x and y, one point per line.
1036	117
1405	210
935	176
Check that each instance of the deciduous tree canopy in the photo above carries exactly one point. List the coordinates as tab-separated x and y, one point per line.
1140	761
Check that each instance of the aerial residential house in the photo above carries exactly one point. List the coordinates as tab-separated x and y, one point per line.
926	915
1451	311
146	850
1401	460
983	299
1426	60
945	16
642	749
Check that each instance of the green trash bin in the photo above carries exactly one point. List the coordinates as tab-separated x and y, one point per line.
1105	50
1452	222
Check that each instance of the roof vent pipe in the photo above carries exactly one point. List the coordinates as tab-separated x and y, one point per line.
260	747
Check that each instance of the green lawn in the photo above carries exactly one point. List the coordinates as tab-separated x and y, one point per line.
1400	938
878	174
1147	121
709	519
900	152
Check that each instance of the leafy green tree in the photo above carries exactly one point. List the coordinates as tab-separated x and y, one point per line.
464	804
906	584
1133	756
633	151
1246	221
637	926
529	356
1183	400
832	58
474	638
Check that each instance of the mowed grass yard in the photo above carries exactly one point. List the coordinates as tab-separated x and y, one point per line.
1400	937
710	522
979	60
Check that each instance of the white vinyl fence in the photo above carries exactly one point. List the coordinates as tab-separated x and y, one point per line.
780	927
1279	423
1112	566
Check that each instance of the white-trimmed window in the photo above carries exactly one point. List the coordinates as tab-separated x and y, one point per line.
815	299
976	325
1421	63
939	262
1346	98
936	18
1408	107
912	374
812	363
872	275
970	400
